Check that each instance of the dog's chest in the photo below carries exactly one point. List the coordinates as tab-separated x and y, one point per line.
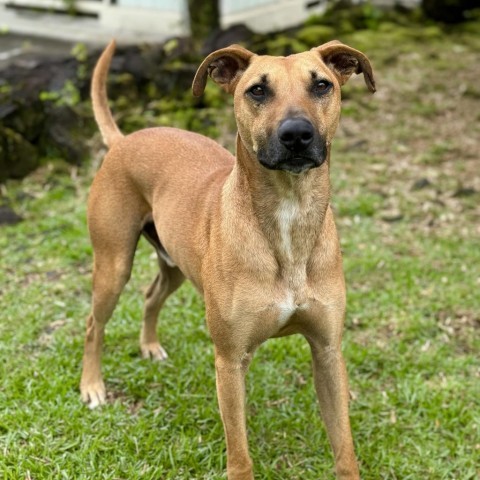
295	228
287	215
294	246
294	241
287	307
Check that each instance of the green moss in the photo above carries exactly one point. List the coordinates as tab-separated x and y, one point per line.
5	90
281	45
363	40
429	32
214	96
17	155
69	95
470	27
314	35
472	92
437	153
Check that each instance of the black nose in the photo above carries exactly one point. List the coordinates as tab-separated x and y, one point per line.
296	134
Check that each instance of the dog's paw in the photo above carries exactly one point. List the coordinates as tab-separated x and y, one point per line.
154	351
94	394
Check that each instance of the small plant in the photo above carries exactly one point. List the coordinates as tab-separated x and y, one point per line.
67	96
80	52
71	6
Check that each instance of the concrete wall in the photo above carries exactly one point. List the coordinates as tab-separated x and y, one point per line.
268	15
167	22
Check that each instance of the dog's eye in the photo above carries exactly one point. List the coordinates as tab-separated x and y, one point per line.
257	91
321	87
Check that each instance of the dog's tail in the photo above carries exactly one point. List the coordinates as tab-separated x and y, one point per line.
103	115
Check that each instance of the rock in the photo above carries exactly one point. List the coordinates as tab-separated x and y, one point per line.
18	156
314	35
421	183
66	131
464	192
8	216
283	45
392	217
223	38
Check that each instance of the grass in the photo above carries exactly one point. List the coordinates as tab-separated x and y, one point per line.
406	194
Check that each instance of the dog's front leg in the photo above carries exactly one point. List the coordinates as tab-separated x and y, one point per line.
330	377
230	371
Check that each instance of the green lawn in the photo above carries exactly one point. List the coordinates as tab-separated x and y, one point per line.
405	171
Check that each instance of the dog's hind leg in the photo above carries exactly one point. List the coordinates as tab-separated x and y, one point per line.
114	238
166	282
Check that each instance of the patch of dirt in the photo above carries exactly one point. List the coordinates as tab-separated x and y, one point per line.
46	336
461	326
133	406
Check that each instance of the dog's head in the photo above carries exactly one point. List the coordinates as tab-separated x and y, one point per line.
287	108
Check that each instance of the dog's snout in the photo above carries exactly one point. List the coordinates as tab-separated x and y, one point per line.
296	134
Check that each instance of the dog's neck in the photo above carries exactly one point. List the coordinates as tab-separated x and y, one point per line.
288	210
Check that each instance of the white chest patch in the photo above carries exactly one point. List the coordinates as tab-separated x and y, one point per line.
286	214
288	307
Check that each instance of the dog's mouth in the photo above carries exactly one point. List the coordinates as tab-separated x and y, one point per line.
292	164
297	165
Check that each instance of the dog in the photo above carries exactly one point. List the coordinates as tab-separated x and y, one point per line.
255	233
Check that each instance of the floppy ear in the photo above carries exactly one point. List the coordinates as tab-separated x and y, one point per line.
344	60
224	66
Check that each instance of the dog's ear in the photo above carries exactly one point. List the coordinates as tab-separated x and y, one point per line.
224	66
344	60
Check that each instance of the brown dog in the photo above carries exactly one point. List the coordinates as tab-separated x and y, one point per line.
255	234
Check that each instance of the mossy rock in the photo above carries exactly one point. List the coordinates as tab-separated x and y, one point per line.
133	119
470	27
28	120
281	45
430	32
315	35
315	19
214	96
363	40
164	105
388	27
18	156
123	84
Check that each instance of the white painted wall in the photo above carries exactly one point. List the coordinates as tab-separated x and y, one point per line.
268	15
167	5
167	17
166	24
231	6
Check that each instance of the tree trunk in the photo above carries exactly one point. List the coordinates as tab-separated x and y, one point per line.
204	18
